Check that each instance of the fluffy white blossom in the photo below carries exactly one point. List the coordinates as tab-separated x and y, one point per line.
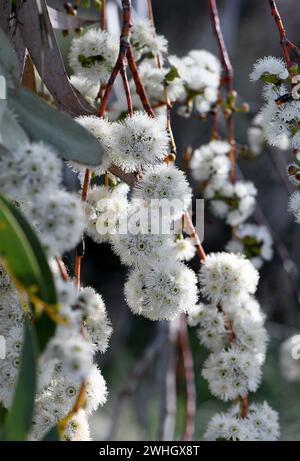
96	391
161	293
289	358
269	67
142	248
33	169
210	163
10	365
78	428
93	55
226	277
156	80
232	372
165	182
200	71
11	313
255	242
247	323
145	42
280	122
88	89
232	202
102	129
185	248
74	353
260	424
94	316
105	209
139	141
59	220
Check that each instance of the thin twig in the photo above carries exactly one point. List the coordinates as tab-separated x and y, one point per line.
138	84
124	47
188	365
281	31
227	79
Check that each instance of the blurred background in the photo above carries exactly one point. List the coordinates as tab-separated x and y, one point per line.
249	33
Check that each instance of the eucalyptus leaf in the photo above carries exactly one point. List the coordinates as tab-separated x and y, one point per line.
45	329
23	255
11	133
8	59
42	122
19	419
63	21
40	40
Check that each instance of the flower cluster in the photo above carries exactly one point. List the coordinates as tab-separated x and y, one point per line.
145	43
289	358
254	241
159	286
261	424
67	360
280	116
70	356
210	164
93	55
201	73
31	176
32	179
231	326
138	143
234	202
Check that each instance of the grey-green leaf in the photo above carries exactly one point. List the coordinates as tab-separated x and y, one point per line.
19	419
8	59
11	133
42	122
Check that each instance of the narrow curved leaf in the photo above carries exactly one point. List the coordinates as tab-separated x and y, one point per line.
5	14
8	59
42	122
23	255
19	419
11	133
40	40
45	329
64	21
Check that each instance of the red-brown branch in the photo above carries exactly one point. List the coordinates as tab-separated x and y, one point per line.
138	84
226	64
124	46
62	268
188	224
227	79
286	44
281	30
188	366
